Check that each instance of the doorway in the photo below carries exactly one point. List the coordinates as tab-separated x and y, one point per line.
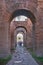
20	39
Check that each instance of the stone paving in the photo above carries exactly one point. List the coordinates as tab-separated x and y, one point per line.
21	57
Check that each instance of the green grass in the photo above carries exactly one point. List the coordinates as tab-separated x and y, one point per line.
39	59
3	61
13	49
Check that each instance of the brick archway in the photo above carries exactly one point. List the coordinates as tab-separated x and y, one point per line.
33	9
31	16
19	29
24	12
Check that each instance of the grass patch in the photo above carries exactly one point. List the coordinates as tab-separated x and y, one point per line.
3	61
39	59
13	49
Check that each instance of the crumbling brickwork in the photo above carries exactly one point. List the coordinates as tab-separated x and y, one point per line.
7	7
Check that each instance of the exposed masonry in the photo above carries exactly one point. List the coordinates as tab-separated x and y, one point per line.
7	8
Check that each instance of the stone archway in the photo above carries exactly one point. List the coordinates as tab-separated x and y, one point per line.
19	29
11	9
30	15
20	39
24	12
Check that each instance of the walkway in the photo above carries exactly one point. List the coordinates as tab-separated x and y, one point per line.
21	57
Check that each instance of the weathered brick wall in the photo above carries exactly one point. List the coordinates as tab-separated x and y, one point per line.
4	41
39	28
7	7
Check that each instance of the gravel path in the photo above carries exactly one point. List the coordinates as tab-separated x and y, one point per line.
21	57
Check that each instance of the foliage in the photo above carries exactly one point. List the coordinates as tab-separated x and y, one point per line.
39	59
3	61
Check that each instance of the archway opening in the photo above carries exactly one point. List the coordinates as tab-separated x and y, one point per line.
23	12
20	39
20	18
23	16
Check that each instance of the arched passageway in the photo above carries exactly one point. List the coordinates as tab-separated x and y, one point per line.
20	39
21	24
22	31
12	9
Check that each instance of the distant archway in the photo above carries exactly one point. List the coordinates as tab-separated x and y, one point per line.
20	39
22	32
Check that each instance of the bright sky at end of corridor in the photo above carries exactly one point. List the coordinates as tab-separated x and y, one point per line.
20	18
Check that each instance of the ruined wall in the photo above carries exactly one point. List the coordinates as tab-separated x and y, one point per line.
39	28
4	40
7	7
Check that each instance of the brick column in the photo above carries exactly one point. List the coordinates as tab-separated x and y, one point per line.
4	40
33	37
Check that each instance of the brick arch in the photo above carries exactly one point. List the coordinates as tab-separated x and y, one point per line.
18	29
31	16
24	12
21	27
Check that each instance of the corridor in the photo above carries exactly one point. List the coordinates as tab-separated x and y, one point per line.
21	57
21	24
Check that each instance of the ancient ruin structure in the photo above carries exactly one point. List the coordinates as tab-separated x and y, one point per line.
31	28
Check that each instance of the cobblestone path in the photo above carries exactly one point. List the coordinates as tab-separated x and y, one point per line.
21	57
